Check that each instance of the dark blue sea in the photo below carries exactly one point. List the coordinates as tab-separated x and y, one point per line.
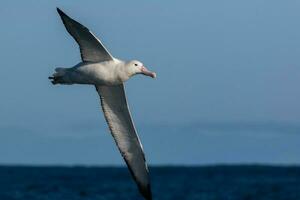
168	183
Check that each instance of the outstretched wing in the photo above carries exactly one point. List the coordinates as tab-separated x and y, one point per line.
91	48
117	115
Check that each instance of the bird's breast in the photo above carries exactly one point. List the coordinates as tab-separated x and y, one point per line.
100	74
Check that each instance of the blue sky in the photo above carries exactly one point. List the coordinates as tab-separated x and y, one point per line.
226	91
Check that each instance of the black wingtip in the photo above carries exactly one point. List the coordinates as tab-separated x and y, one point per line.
146	192
148	197
60	12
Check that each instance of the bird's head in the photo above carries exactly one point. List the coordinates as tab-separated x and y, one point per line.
136	67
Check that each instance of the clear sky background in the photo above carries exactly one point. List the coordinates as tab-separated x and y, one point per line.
227	89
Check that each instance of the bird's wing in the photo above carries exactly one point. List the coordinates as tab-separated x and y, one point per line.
117	115
91	48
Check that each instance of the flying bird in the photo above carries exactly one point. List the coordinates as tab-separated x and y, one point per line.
108	74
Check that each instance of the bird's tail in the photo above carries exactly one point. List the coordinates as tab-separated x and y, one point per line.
59	77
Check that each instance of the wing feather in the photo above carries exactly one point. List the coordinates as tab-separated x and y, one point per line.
91	48
118	117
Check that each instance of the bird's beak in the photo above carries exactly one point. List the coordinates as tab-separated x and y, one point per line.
146	72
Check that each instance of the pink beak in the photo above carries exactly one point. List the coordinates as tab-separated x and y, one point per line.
146	72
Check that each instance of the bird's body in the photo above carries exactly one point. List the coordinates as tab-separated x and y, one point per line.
108	74
94	73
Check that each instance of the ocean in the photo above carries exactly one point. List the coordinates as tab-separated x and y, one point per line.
168	183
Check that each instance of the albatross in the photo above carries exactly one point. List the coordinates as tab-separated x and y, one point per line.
108	74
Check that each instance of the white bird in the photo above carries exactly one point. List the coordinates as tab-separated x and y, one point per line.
108	74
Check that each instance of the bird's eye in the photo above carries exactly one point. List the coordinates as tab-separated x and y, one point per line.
136	64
